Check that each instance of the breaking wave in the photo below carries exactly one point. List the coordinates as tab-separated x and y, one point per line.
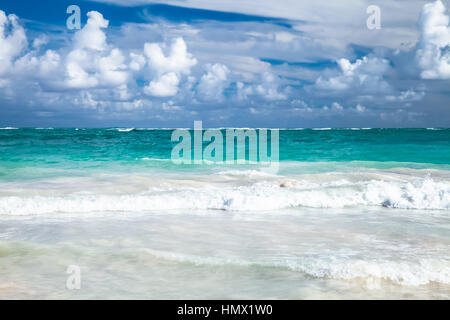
269	194
409	273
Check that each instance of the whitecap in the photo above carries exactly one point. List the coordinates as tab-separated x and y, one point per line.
125	129
269	194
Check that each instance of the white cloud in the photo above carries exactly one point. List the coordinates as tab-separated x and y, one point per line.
91	36
91	63
86	67
11	43
407	96
93	73
336	106
247	67
77	77
360	108
269	87
40	41
42	67
171	107
112	69
335	110
243	91
433	52
213	83
165	86
330	22
262	66
169	69
284	36
179	59
364	74
137	61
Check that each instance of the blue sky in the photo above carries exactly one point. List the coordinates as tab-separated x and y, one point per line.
228	63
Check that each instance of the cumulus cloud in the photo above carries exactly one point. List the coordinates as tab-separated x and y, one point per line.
40	41
92	63
165	86
259	66
365	75
97	74
407	96
112	69
169	69
433	52
77	77
93	73
91	36
11	43
334	110
137	61
213	83
270	87
179	60
267	88
336	107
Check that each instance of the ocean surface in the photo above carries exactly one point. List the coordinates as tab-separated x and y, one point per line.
351	213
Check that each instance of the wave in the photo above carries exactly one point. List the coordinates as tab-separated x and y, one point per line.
125	129
154	159
272	194
246	173
354	128
166	129
408	273
9	128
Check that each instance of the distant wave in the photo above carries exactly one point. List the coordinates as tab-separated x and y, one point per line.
150	129
125	129
9	128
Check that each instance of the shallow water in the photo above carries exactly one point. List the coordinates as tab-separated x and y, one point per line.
323	227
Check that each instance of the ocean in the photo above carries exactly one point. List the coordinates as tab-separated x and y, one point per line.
350	213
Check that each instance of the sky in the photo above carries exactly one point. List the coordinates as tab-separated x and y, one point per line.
246	63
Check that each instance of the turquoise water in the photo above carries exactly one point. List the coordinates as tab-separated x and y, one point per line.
88	149
347	214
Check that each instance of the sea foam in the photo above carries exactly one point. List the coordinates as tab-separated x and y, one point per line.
408	273
267	193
